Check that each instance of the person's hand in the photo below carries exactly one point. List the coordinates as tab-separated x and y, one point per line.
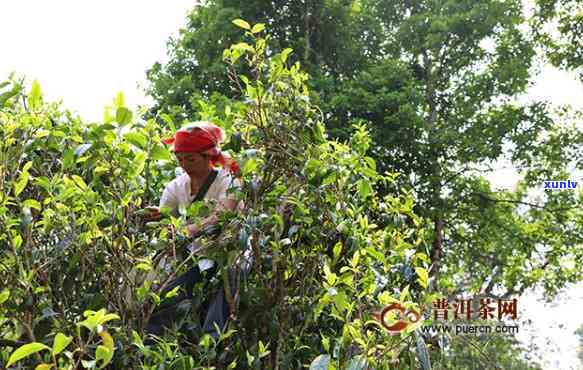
193	230
151	214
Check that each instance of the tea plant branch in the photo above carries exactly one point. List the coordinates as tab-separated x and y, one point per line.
11	343
390	348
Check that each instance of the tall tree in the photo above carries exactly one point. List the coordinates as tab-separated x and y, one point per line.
332	39
472	61
558	26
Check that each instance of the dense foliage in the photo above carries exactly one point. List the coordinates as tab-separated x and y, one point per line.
440	84
557	25
328	249
364	185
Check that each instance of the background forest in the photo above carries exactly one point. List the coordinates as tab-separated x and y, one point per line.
365	129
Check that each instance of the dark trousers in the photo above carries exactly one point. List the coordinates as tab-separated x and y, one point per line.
216	312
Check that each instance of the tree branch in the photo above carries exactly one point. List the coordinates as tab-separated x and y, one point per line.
11	343
485	196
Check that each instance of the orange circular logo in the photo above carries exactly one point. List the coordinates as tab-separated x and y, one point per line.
400	325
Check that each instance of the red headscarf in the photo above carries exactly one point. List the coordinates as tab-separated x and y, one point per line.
203	137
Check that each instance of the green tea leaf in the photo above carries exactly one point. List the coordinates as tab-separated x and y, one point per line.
119	100
242	46
32	203
107	340
4	295
88	364
250	359
258	28
137	340
7	95
423	276
364	188
330	276
241	23
17	241
68	158
404	294
60	343
103	354
138	164
337	250
108	317
35	96
136	138
160	153
22	181
250	166
355	259
285	53
123	116
25	351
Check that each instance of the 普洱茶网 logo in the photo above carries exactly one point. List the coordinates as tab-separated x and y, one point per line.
465	309
469	309
411	316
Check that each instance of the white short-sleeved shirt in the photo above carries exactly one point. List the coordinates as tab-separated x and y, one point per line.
177	195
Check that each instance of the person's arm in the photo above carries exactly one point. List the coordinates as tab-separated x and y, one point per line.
222	205
225	203
168	199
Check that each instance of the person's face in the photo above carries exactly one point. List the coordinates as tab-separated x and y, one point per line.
192	162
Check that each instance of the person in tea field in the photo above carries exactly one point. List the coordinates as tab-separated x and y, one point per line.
198	153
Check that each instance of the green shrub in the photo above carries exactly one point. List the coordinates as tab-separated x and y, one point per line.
328	251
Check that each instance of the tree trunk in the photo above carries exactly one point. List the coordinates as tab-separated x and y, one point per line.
437	249
307	34
436	174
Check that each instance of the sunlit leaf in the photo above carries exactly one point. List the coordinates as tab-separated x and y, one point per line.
32	203
138	139
103	354
161	153
4	295
241	23
258	28
123	116
423	276
35	96
22	181
60	343
25	351
119	100
285	53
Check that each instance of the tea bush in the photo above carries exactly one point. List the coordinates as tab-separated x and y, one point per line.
328	251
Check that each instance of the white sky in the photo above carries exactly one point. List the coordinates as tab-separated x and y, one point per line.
83	52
